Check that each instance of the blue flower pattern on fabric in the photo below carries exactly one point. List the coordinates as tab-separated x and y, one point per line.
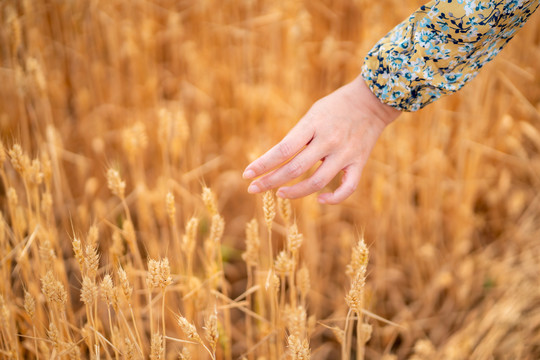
440	48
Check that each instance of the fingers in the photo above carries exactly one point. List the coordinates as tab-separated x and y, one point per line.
322	176
293	142
349	181
302	162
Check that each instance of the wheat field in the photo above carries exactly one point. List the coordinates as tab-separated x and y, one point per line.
126	231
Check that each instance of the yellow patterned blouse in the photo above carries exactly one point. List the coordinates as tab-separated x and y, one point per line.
441	47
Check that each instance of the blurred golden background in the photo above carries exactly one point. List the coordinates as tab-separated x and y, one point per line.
178	96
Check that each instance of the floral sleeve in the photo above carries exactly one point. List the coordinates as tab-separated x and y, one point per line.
441	47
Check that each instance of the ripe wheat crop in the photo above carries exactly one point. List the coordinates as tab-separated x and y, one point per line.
126	231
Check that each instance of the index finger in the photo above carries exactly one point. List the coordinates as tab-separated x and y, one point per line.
292	143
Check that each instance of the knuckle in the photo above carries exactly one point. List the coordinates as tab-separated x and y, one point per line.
333	140
295	169
284	150
348	189
260	167
264	184
316	183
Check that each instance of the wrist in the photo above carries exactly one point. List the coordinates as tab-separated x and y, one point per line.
386	114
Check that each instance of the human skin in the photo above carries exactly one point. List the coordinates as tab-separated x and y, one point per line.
340	130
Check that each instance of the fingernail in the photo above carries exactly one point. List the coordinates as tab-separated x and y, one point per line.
281	194
321	200
253	188
248	174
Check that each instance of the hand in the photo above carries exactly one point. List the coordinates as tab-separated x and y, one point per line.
340	130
